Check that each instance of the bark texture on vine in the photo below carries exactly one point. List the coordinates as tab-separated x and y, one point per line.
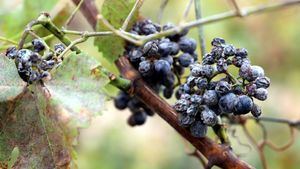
217	154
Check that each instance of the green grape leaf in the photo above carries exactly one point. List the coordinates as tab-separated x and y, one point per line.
76	90
115	12
23	12
27	11
11	84
31	124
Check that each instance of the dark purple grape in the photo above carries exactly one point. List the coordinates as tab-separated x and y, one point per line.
38	45
208	59
222	65
34	76
261	94
148	29
121	100
168	58
168	92
59	48
243	105
148	111
169	80
145	68
228	102
222	87
187	45
201	83
238	89
35	58
217	52
181	105
151	49
185	60
11	52
217	42
185	120
262	82
229	50
209	117
23	55
251	89
210	97
137	119
186	88
196	99
162	67
191	81
199	70
192	110
135	55
165	48
256	71
256	110
241	52
212	85
185	96
198	129
174	48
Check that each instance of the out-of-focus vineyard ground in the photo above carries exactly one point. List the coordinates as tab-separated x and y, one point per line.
272	40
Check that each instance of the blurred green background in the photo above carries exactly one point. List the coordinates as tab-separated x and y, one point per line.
273	41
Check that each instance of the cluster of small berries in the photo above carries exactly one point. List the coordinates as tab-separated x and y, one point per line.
159	61
33	65
202	98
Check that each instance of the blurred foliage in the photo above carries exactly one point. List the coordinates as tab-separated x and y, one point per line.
23	12
115	12
272	40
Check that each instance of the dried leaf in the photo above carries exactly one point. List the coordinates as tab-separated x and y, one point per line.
30	124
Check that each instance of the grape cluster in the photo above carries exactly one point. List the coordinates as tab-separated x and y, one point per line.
31	65
159	62
203	98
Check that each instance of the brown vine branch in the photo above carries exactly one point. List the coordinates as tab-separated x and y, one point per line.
216	154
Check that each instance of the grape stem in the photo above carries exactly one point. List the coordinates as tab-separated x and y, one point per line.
198	12
6	40
237	8
161	10
73	13
137	5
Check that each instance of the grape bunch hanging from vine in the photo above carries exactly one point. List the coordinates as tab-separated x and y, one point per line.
158	63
